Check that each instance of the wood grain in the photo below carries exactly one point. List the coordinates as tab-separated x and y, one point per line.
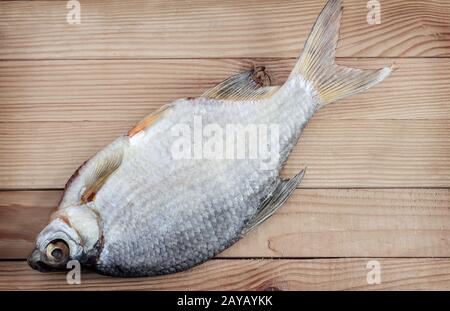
127	90
229	28
23	215
313	223
314	274
378	179
351	153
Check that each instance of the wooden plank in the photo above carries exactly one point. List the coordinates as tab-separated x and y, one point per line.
354	223
313	223
127	90
231	28
314	274
350	153
22	215
52	147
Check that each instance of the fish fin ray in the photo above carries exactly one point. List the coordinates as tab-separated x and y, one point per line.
147	121
316	63
100	173
274	201
249	85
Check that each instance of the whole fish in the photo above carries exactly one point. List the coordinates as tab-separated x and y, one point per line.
147	204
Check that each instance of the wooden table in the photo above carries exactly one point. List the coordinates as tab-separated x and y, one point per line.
377	186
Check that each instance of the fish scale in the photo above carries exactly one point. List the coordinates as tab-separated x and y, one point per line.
208	209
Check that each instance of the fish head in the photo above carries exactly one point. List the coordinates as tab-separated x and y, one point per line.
72	234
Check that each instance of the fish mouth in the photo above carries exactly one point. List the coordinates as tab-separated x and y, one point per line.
37	262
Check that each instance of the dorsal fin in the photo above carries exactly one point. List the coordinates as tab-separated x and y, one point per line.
249	85
147	121
102	170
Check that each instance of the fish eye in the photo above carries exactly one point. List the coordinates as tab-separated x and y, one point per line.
57	253
57	250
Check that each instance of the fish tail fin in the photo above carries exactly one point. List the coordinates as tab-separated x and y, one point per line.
316	63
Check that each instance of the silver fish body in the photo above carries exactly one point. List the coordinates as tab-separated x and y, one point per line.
136	209
173	214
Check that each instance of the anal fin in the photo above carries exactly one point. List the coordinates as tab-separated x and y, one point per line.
274	201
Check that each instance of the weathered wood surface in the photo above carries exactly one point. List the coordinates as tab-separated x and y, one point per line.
313	223
229	28
101	100
262	274
351	153
127	90
378	175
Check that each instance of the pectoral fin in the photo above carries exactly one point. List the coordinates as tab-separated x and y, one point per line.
100	173
249	85
274	201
